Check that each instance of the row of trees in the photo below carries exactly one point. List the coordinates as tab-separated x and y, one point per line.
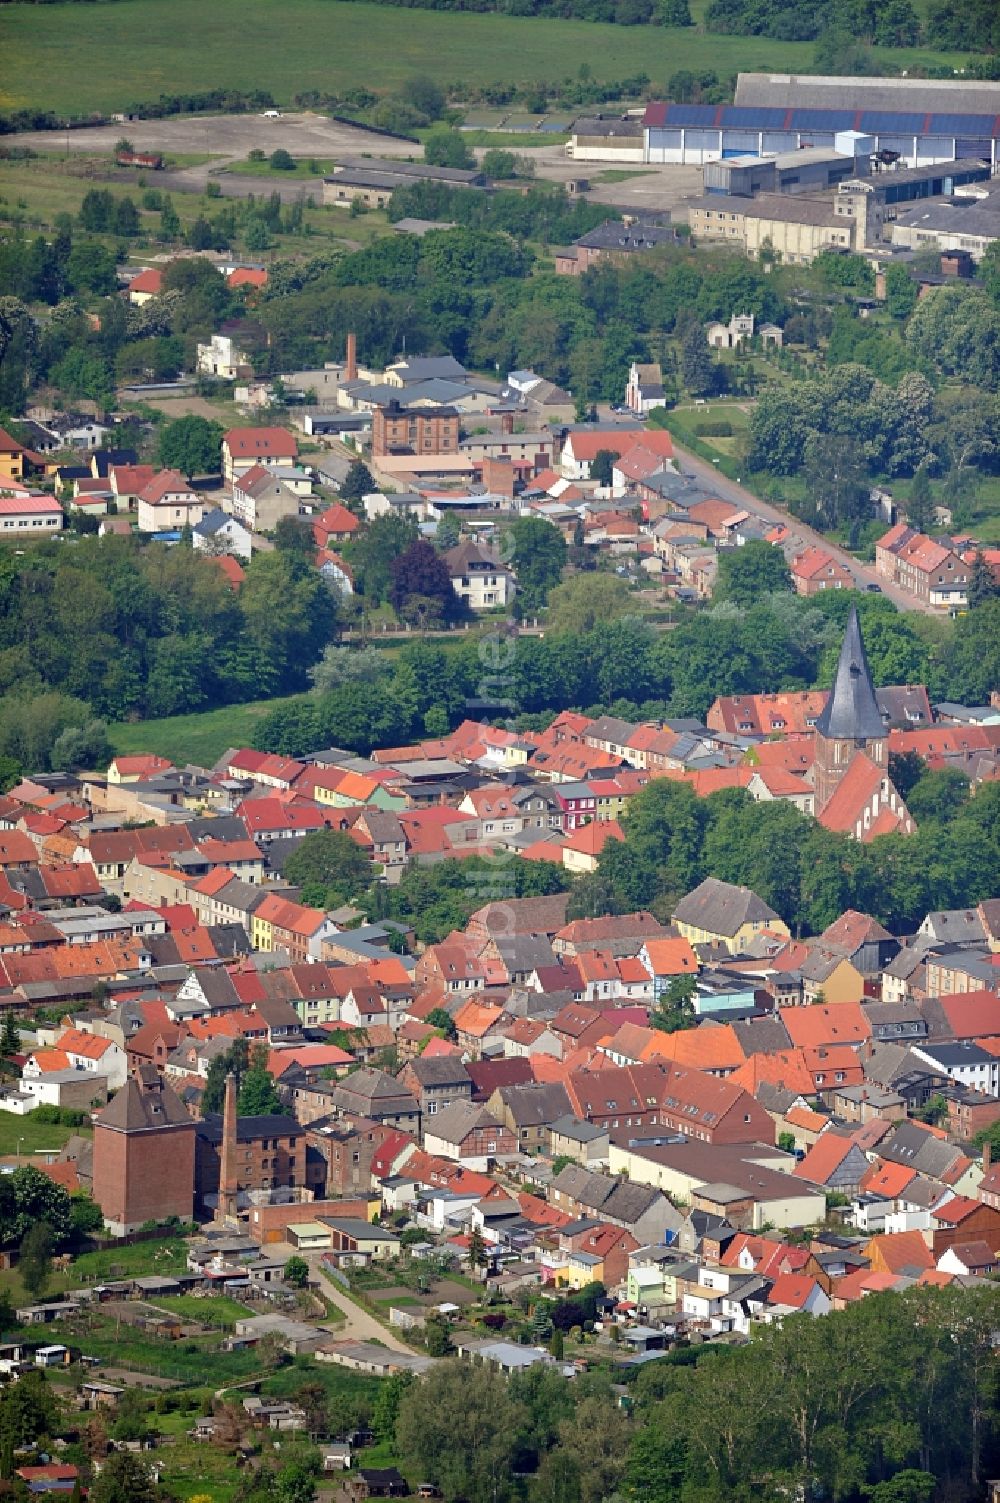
895	24
780	643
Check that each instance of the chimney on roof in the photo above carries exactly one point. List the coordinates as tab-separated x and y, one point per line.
351	357
506	422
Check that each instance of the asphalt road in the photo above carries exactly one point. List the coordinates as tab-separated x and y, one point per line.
801	536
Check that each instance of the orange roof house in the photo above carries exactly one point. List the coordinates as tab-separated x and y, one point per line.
899	1253
824	1024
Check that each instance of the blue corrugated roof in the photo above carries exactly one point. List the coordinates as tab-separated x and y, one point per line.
876	120
757	119
691	114
962	125
823	119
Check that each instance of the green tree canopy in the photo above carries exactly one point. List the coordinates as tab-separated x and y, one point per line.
330	867
537	554
750	574
192	445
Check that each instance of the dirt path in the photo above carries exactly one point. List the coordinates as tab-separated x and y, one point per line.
358	1324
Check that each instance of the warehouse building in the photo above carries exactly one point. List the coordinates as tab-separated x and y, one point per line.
603	138
798	229
957	224
375	181
920	121
807	171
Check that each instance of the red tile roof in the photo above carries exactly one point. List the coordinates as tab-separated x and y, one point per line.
272	443
826	1023
167	483
150	280
247	276
824	1158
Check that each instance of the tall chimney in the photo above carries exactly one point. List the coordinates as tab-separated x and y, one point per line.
987	1156
351	357
228	1180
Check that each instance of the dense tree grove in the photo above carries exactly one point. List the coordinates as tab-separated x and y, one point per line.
893	25
878	1401
673	840
476	293
109	628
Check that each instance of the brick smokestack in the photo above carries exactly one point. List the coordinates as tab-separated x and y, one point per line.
351	358
227	1168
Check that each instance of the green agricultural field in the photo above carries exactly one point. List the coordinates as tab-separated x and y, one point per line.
198	738
69	57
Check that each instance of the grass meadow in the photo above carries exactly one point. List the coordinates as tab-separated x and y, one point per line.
80	58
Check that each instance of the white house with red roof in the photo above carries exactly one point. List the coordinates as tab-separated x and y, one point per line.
137	769
168	503
266	768
582	447
148	284
21	511
242	448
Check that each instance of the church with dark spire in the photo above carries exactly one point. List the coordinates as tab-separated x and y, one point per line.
850	774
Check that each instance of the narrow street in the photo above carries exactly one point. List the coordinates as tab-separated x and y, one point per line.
801	535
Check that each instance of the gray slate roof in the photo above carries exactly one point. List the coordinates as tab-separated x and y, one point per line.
851	713
721	908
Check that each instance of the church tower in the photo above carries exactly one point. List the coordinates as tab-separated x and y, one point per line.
851	720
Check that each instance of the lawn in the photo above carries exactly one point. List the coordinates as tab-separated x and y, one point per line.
200	738
33	1135
162	1257
215	1310
193	1363
78	58
310	168
619	175
337	1382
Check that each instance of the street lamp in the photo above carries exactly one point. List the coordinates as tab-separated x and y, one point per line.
19	1142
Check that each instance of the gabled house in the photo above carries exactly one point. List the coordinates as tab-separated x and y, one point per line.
719	913
245	448
436	1083
468	1133
217	532
262	499
168	504
478	577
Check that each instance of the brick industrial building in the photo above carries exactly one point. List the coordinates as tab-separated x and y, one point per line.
144	1151
414	430
263	1154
